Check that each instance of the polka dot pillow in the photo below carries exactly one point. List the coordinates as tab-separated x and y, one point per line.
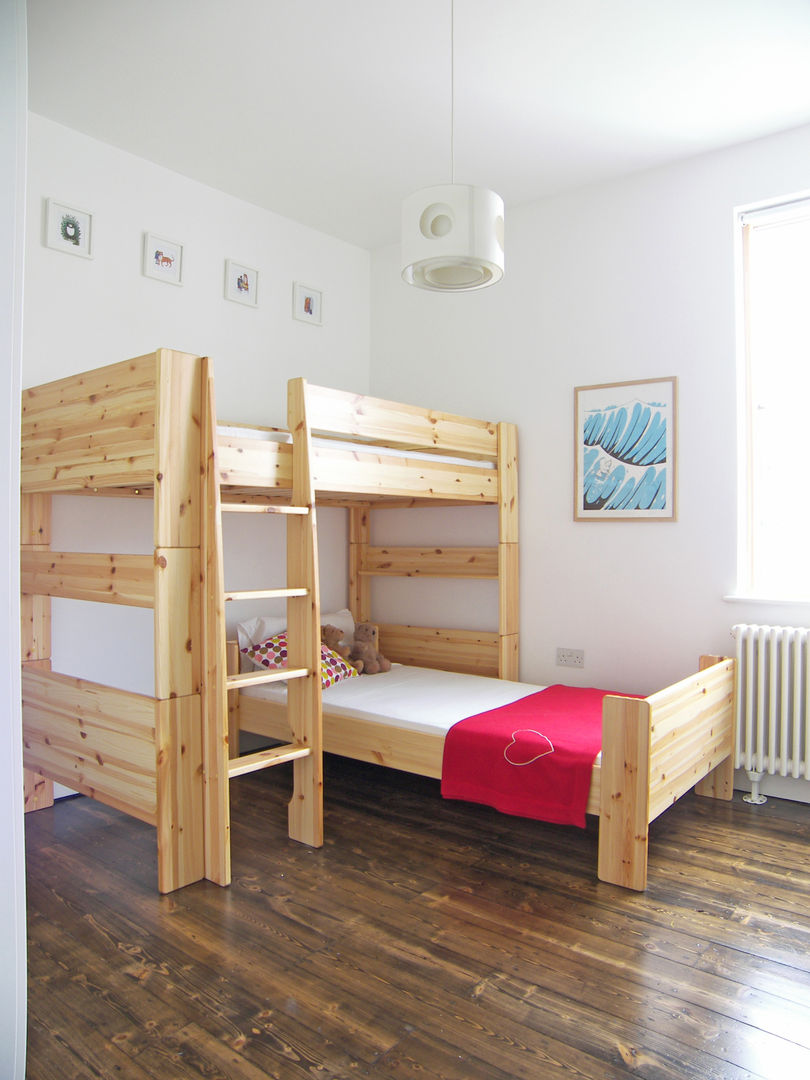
272	653
334	668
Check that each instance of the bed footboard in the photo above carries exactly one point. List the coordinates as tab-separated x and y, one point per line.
655	749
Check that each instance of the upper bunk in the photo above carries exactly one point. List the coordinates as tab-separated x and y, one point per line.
117	430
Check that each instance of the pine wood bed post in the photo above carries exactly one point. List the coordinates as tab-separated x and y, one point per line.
304	632
179	575
35	619
624	792
359	584
508	579
217	748
719	783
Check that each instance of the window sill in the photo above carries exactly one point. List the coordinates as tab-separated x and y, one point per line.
772	601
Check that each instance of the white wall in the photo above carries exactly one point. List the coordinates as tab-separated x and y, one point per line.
13	97
83	313
630	280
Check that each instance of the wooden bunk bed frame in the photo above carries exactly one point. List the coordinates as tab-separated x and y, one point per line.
653	750
147	428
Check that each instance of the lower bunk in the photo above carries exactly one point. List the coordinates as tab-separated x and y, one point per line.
653	749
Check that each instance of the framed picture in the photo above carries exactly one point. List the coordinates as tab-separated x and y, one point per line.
68	229
241	283
162	259
307	304
624	451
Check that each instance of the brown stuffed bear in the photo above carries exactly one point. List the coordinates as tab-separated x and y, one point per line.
330	636
364	649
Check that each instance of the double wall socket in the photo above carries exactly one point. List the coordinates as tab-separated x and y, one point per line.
571	657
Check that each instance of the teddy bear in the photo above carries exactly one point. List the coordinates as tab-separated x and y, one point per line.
331	637
364	648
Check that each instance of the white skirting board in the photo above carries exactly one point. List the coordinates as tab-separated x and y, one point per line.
777	787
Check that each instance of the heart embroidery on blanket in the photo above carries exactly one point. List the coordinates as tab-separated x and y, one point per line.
527	746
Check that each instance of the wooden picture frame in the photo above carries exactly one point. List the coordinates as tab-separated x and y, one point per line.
625	439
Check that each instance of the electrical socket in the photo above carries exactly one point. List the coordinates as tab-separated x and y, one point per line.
571	658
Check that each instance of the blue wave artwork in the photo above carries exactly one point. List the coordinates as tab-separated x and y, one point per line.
624	457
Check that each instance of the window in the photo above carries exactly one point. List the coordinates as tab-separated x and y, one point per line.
775	401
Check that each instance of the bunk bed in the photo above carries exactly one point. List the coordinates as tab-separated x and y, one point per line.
653	749
147	428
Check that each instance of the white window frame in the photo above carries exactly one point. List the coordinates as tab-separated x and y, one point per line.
792	206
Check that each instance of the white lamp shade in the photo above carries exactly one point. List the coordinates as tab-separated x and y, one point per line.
452	238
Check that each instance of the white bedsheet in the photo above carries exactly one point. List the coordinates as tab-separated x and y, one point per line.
420	699
271	435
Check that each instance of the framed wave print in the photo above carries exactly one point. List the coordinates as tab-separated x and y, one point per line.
624	451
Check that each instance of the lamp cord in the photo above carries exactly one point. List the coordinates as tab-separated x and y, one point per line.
452	93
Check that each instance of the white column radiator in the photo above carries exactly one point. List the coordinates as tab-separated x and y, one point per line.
773	703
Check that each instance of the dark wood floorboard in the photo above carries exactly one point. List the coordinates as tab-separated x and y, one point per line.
427	940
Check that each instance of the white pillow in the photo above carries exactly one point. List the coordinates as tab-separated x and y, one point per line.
255	631
343	620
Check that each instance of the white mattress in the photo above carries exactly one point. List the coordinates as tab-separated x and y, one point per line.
269	435
419	699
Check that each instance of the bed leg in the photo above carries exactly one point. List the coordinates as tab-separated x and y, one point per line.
624	792
38	791
305	810
180	820
35	627
719	783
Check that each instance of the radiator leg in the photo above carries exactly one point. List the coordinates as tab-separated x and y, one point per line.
755	796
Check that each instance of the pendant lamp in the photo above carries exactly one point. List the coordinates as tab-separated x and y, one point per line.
452	234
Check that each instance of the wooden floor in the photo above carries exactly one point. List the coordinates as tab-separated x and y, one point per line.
426	940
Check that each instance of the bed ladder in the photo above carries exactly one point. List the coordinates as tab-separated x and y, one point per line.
305	812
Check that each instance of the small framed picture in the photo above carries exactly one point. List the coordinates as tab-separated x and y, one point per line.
162	259
241	283
307	304
68	229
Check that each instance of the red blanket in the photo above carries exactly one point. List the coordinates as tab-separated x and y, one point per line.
532	758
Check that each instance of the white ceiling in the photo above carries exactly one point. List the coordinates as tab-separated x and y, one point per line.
331	111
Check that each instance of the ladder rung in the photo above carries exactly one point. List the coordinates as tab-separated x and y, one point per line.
265	594
256	678
261	508
264	759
